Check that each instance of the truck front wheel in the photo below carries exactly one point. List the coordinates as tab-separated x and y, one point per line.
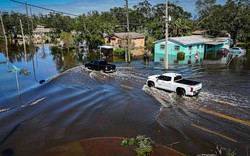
180	92
151	84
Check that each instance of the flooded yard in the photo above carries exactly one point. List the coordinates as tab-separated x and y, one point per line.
75	103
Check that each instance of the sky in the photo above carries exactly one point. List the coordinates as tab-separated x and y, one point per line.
79	7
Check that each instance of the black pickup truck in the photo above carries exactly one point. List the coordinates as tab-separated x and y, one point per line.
100	65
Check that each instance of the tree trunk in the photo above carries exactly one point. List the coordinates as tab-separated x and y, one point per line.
234	36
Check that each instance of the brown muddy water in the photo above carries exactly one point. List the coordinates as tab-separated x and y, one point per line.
76	103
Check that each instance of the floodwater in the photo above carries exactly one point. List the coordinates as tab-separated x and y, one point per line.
75	103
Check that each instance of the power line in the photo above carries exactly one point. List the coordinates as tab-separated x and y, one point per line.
43	8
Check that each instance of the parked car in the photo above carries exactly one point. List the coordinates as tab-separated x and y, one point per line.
100	65
175	83
238	51
223	51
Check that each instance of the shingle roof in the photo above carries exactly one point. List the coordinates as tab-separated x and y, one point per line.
133	35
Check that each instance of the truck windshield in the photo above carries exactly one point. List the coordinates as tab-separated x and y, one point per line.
177	78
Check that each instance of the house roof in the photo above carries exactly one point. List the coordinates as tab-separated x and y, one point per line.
222	39
187	40
41	29
158	41
106	47
217	41
133	35
195	39
199	32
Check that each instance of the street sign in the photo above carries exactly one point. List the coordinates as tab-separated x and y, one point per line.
15	69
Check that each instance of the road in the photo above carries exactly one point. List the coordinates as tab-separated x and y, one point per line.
81	104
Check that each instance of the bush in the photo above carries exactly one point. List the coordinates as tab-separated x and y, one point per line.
143	145
180	55
119	51
242	44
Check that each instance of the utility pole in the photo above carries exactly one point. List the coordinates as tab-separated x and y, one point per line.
24	46
27	15
32	28
6	42
128	35
166	35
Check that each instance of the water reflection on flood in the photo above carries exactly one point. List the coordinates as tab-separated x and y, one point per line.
79	103
43	63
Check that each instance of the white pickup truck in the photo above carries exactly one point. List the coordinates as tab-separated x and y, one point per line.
175	83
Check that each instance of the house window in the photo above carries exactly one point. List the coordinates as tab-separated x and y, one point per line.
190	48
119	41
198	46
162	47
202	46
176	48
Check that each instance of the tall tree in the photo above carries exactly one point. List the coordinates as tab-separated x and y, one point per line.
93	26
119	14
236	17
233	16
12	25
67	39
203	7
144	11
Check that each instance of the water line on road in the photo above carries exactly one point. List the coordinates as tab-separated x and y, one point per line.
215	133
247	123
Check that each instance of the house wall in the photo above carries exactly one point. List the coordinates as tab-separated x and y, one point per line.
136	45
106	40
227	44
41	38
172	52
214	48
112	41
139	42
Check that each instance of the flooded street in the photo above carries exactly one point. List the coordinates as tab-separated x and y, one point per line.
75	103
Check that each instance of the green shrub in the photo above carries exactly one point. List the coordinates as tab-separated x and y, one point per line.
119	50
180	55
143	144
242	44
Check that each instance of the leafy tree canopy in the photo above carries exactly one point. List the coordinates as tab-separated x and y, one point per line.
233	16
144	18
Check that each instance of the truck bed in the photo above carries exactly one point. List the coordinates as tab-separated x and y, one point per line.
100	65
187	82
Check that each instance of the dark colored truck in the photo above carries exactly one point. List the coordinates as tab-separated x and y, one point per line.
100	65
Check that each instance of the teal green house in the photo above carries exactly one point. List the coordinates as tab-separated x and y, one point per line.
217	43
190	45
